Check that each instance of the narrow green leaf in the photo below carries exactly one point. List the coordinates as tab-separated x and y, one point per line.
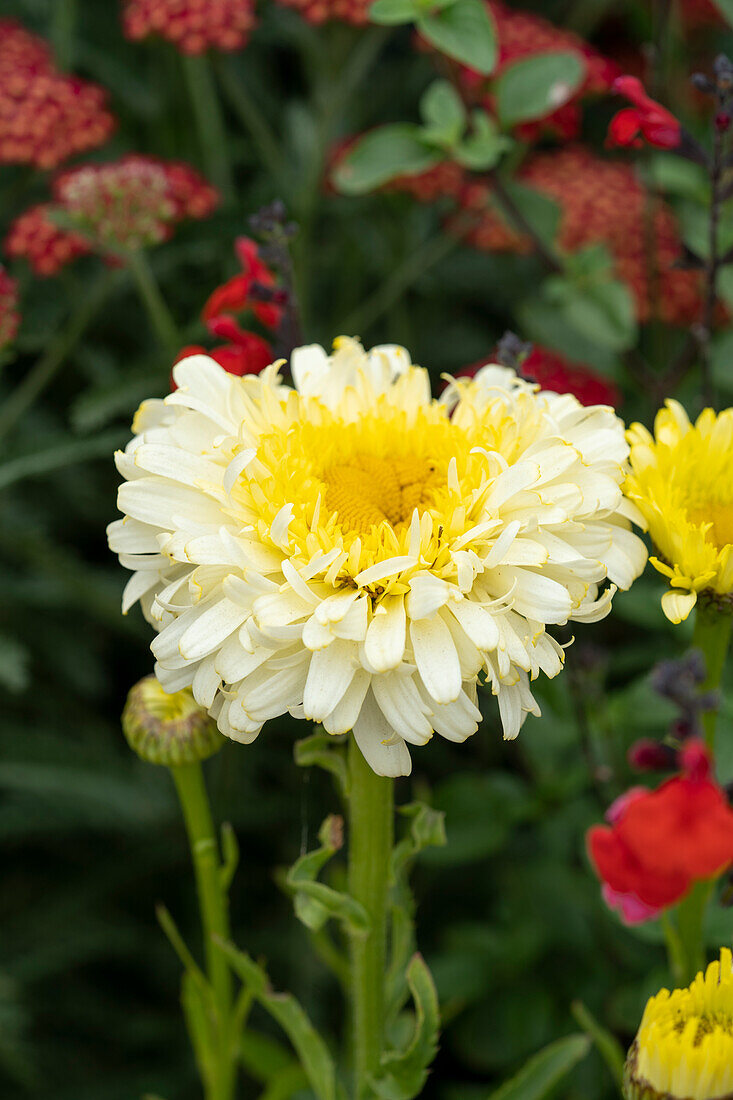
292	1018
608	1046
536	86
465	32
262	1056
382	155
315	902
543	1071
177	942
230	855
392	12
198	1024
286	1083
53	458
404	1072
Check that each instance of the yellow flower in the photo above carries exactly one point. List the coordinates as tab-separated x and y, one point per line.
682	483
357	553
684	1047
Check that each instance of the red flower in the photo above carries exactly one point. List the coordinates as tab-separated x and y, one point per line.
46	247
234	295
9	316
192	25
247	354
45	116
655	123
556	373
660	842
355	12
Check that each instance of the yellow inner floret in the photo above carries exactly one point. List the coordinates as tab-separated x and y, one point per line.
164	707
685	1042
369	490
718	514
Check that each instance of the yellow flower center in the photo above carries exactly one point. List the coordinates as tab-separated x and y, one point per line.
369	490
685	1042
719	513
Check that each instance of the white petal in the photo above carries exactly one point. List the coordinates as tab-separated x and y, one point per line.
330	673
211	628
383	750
436	659
677	604
385	639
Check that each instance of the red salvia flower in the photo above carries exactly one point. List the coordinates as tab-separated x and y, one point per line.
247	354
9	316
193	26
45	246
556	373
659	843
601	202
522	34
45	116
235	295
656	125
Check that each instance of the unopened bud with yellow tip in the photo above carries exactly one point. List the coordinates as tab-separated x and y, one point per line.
168	729
684	1046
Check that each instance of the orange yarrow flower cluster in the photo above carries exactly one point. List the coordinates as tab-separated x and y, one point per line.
355	12
127	204
45	116
601	202
9	316
193	26
522	34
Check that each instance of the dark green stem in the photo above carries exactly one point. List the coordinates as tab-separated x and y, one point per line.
371	810
153	301
712	636
248	111
209	122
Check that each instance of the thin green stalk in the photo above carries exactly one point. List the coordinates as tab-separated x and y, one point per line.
189	781
250	115
59	348
153	301
209	122
690	926
63	27
712	636
371	811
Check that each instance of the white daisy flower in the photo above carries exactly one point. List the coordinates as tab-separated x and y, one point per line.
359	554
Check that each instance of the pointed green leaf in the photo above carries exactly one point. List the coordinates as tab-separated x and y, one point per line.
484	147
404	1072
543	1071
383	155
444	114
199	1026
536	86
463	31
315	902
608	1046
262	1056
292	1018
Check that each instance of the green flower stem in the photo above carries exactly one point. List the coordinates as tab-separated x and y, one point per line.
712	636
153	301
189	781
58	350
688	956
63	27
250	115
209	122
371	829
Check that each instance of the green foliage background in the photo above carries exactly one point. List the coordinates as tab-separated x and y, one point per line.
510	916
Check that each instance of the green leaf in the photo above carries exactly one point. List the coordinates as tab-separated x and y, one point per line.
383	155
230	856
14	664
198	1017
286	1083
607	1044
315	903
57	457
392	12
542	1072
725	7
463	31
536	86
262	1056
676	176
404	1072
327	752
292	1018
444	114
484	147
542	213
604	313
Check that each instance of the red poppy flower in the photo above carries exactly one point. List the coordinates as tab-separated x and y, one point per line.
234	295
658	843
647	118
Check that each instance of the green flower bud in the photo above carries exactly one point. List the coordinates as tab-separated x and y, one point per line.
168	729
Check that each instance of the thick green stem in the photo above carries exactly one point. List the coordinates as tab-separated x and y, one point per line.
370	848
209	122
58	350
712	636
689	958
153	301
194	801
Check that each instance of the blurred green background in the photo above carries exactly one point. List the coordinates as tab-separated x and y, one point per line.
510	916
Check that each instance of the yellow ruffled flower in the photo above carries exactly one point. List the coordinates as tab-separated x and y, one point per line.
684	1047
682	483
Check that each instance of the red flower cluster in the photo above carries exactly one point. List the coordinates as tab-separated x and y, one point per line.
355	12
47	248
127	204
193	26
9	316
45	116
647	118
134	202
246	352
521	34
556	373
658	843
601	201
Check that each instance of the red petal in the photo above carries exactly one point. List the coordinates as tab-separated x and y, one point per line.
232	295
624	128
